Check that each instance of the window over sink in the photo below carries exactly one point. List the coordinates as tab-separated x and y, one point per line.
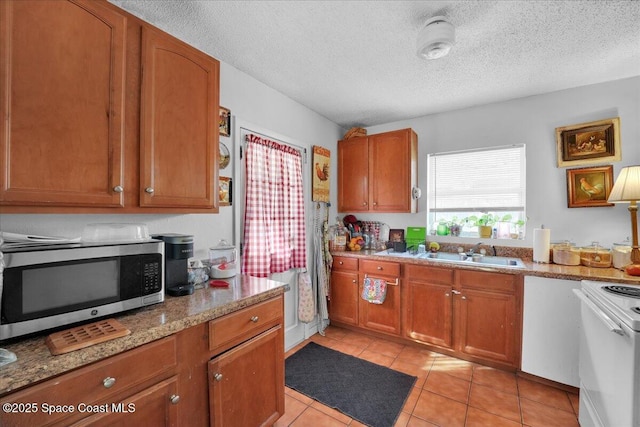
479	191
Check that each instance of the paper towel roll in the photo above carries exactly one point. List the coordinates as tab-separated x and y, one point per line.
541	244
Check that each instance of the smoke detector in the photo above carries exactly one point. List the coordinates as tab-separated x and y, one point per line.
436	38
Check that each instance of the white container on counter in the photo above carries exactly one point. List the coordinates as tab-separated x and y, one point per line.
621	255
223	261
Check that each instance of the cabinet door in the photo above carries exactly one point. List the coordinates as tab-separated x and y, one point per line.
353	175
246	384
61	103
487	325
154	406
392	171
383	317
429	312
343	305
179	133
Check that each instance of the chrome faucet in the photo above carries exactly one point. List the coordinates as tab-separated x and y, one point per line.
473	249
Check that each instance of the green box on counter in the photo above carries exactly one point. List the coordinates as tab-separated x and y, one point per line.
415	236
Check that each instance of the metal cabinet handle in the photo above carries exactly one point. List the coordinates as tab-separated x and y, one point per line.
118	189
149	190
174	399
254	319
375	203
108	382
341	263
463	297
447	294
217	376
364	203
379	268
453	291
353	281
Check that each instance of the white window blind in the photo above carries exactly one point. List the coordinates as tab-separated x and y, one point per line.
491	179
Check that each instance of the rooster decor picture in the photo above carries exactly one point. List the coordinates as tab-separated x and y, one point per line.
321	174
588	187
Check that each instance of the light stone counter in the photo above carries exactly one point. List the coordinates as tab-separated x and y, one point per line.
35	362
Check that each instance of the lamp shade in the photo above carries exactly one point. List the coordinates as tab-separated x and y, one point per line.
627	185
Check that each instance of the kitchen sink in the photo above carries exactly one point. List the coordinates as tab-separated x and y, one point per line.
485	260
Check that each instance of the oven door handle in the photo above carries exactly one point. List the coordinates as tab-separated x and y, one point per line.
611	325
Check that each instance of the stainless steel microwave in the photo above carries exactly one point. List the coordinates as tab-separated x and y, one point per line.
48	287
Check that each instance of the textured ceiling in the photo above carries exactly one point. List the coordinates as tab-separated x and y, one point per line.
355	62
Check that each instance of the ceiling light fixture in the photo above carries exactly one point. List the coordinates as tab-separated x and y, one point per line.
436	38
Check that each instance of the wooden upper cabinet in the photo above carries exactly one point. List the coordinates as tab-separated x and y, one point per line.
62	103
377	173
179	134
353	175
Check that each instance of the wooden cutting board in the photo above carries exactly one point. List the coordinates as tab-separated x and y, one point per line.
85	336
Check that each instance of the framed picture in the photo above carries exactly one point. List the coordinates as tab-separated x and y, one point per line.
396	235
225	191
224	122
588	143
589	187
321	174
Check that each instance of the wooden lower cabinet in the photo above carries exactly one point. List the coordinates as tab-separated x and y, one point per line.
346	305
154	406
471	314
488	316
246	383
428	302
139	375
383	317
343	303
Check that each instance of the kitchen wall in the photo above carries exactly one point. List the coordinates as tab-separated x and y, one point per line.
532	121
250	101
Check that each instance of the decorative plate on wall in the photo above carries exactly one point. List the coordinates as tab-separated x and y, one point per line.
225	157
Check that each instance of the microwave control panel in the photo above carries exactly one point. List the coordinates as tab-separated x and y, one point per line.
152	276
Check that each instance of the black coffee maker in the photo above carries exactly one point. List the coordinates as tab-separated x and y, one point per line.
178	248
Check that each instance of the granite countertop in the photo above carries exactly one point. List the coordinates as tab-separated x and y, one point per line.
554	271
35	362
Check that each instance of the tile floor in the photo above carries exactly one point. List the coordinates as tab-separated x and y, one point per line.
448	392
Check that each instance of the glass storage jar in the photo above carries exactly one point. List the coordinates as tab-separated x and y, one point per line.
565	253
595	256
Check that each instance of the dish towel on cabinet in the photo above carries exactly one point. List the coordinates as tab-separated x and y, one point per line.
374	290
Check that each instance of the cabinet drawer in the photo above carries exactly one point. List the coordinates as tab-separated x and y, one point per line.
376	267
484	280
91	384
430	274
237	327
345	263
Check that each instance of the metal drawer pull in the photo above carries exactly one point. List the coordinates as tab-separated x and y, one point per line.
379	268
217	376
174	399
149	190
396	283
118	189
108	382
254	319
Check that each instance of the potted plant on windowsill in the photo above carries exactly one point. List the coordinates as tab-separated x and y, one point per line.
485	225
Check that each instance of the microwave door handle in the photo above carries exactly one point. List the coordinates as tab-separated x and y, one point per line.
611	325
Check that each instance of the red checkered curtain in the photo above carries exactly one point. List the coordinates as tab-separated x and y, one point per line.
274	223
